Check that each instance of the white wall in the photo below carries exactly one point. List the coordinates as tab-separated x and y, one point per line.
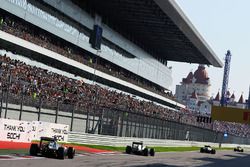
123	141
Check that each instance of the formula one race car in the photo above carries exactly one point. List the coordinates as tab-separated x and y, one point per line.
207	149
138	149
238	149
48	147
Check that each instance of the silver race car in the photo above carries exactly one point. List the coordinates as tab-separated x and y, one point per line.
48	147
207	149
138	149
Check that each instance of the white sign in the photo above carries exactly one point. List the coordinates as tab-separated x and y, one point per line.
24	131
46	129
13	130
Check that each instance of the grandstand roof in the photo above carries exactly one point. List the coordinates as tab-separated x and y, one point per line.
158	26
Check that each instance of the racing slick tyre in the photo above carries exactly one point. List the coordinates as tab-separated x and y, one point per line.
71	152
34	149
242	151
234	149
60	153
201	150
145	152
128	149
213	152
152	152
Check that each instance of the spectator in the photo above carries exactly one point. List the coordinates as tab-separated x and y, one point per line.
41	83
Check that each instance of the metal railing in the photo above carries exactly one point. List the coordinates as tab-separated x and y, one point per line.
94	139
106	121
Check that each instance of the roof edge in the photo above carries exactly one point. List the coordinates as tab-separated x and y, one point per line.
172	9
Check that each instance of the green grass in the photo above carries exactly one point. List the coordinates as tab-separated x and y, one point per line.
109	148
175	149
157	149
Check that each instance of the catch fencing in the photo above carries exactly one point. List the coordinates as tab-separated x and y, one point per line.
106	121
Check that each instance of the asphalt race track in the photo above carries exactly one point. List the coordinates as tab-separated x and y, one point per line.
220	159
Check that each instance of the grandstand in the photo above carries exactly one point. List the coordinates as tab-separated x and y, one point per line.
118	50
137	43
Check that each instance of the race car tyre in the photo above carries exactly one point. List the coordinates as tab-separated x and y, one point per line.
60	153
213	152
34	149
128	149
202	150
234	149
152	152
145	152
242	151
71	152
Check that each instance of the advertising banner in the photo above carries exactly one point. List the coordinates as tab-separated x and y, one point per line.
46	129
230	114
24	131
14	130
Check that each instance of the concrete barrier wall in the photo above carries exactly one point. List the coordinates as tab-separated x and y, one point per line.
94	139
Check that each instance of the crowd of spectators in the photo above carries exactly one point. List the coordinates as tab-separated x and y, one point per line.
242	130
34	82
35	35
19	78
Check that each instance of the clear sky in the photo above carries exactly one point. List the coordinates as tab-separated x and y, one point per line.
224	24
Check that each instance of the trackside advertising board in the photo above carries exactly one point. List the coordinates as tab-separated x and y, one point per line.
24	131
60	131
230	114
13	130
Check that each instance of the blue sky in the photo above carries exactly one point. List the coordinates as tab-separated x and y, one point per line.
224	24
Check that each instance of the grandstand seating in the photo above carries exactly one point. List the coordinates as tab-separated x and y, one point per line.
24	30
40	83
35	82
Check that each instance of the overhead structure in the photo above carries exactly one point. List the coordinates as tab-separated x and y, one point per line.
225	79
157	26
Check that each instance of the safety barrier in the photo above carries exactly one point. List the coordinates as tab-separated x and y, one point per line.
85	138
